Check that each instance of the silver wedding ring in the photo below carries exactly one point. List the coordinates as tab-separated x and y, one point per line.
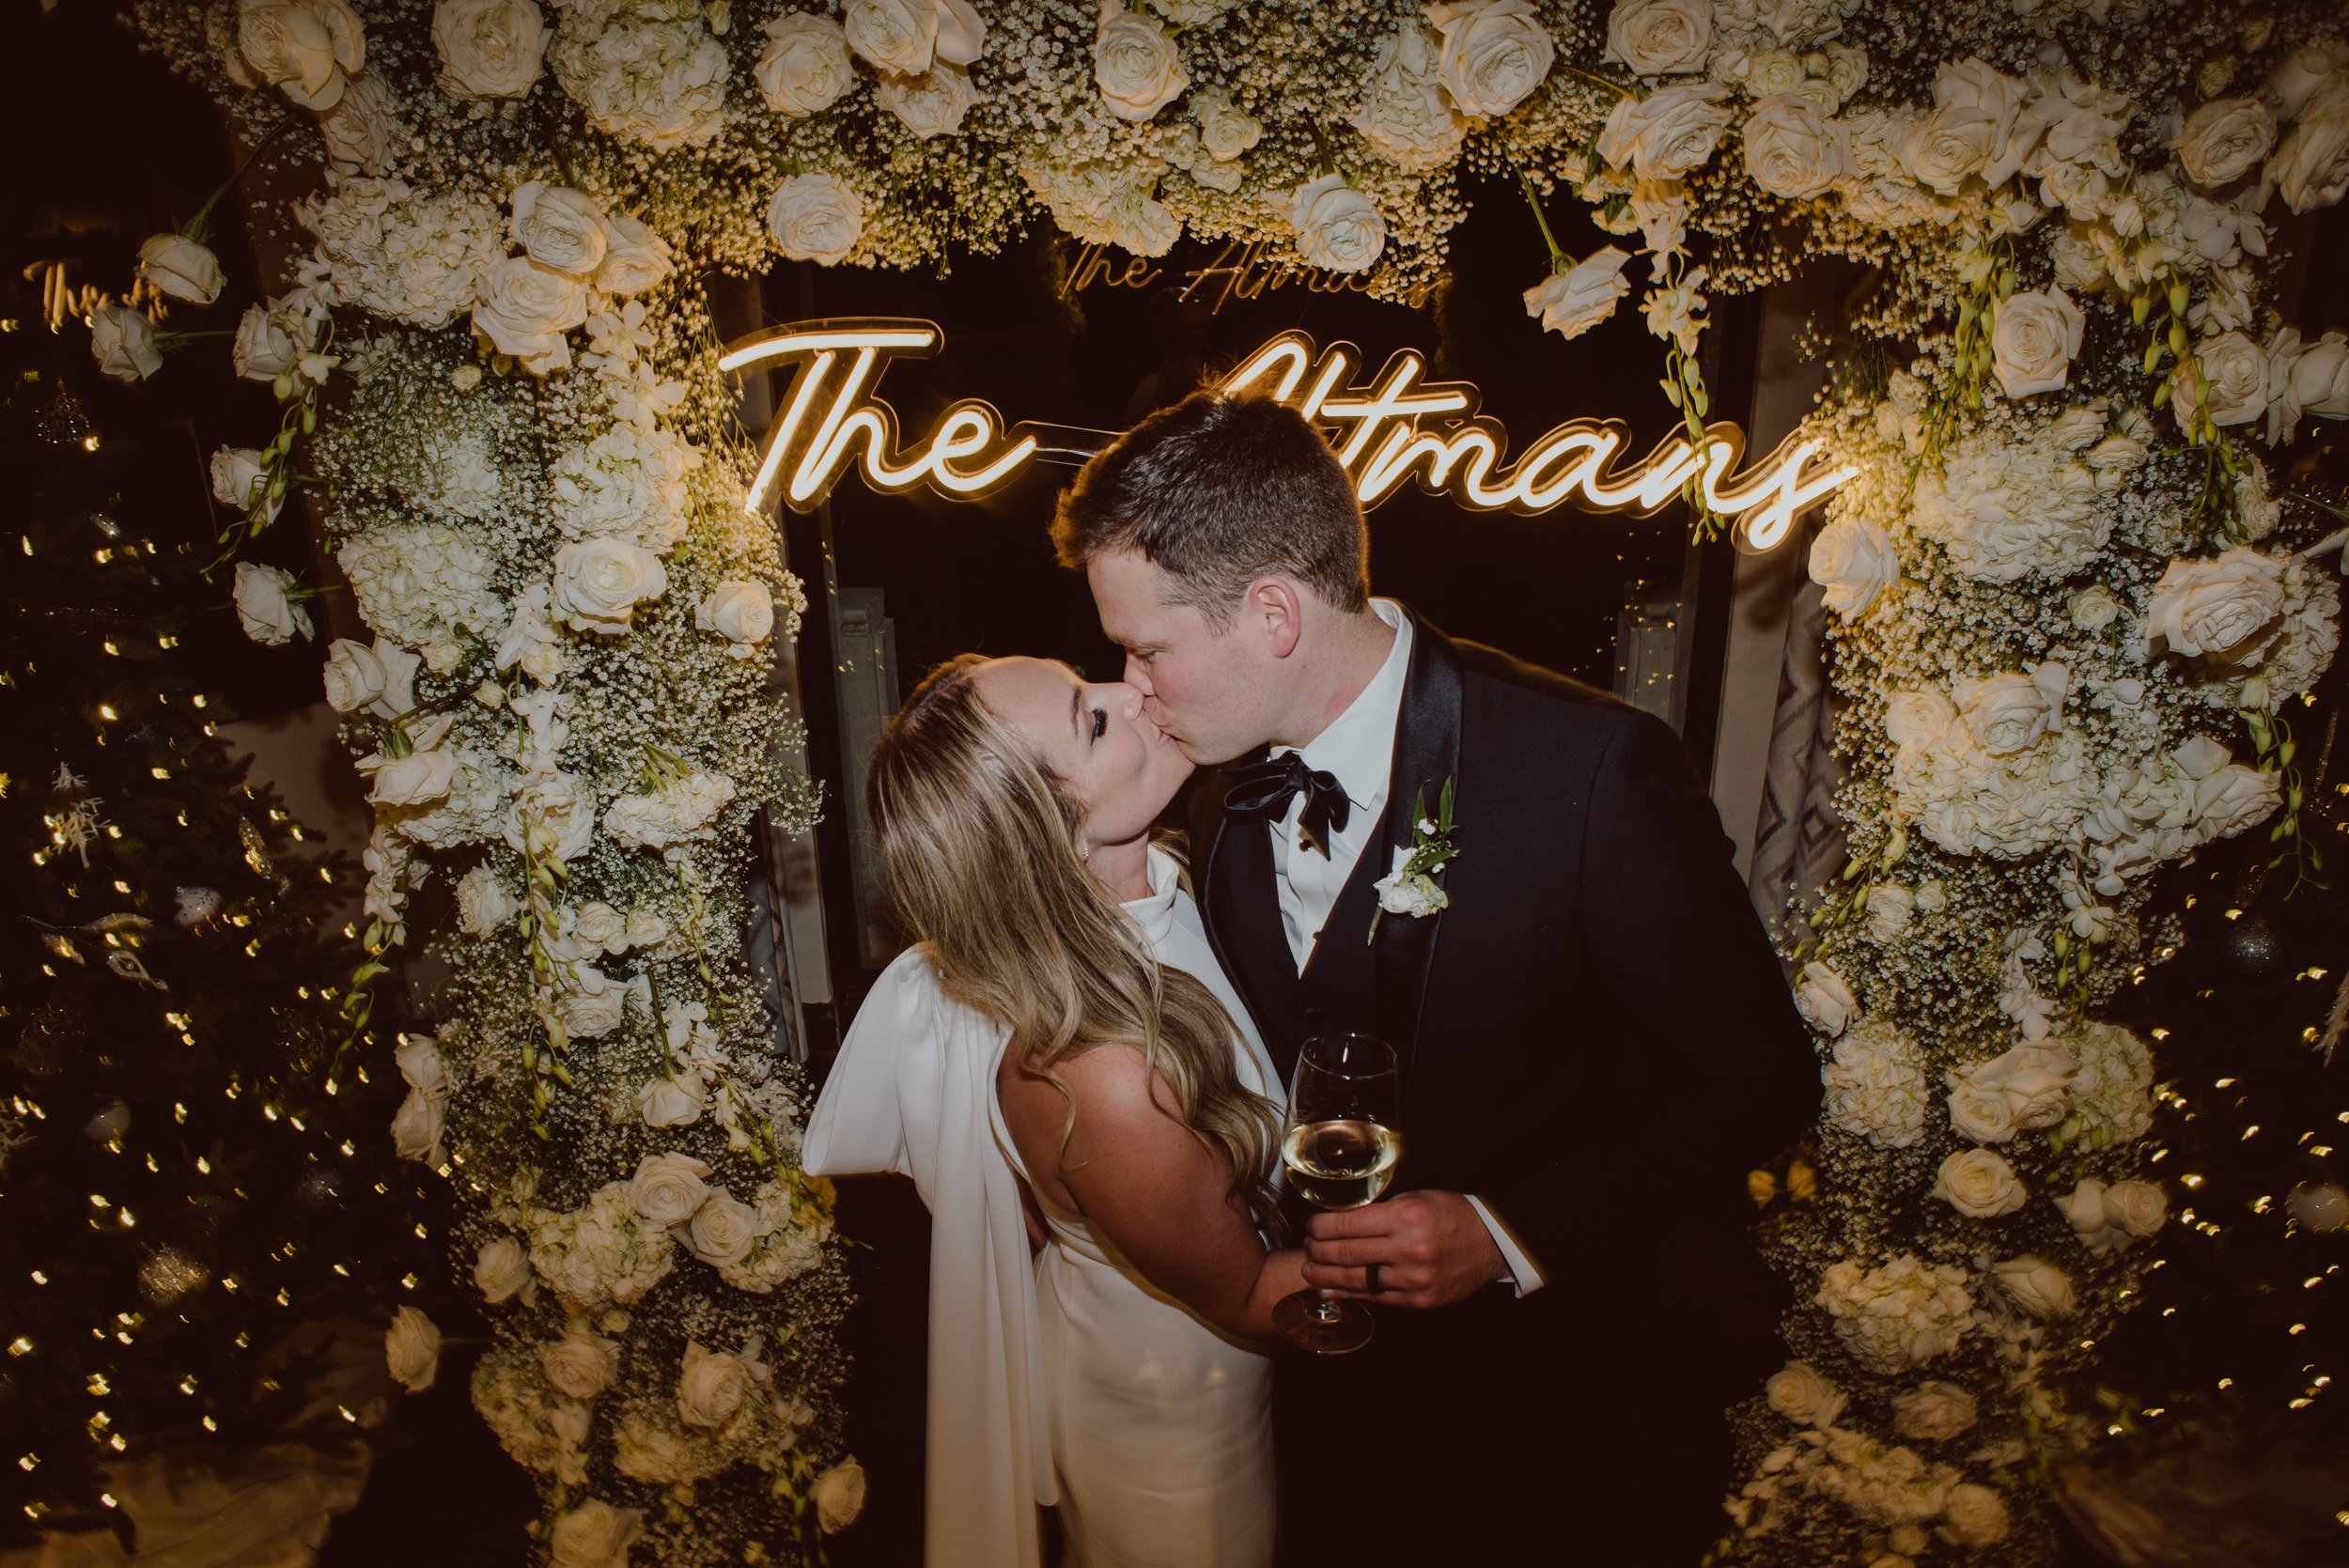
1369	1280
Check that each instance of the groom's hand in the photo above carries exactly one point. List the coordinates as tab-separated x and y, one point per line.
1432	1248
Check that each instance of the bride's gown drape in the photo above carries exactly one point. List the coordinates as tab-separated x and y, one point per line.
1072	1380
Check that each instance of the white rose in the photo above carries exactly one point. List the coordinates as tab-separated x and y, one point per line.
1495	53
364	127
178	266
1974	1517
483	904
1336	226
524	309
417	779
264	605
1771	72
2305	378
593	1004
354	676
2311	169
1823	1001
2034	336
804	69
672	1102
599	583
558	227
1932	897
634	258
722	1230
1404	112
816	217
580	1364
416	1127
412	1349
646	928
240	478
1934	1411
1573	302
489	48
1793	150
2233	381
1890	907
1670	133
2233	799
2093	608
743	613
122	341
1225	130
1659	38
2136	1208
961	32
500	1270
2224	139
308	49
598	925
667	1188
1854	560
1135	64
1804	1397
2221	610
839	1496
1981	1113
898	36
930	105
2319	1205
1979	1185
1978	128
2008	713
710	1388
595	1535
263	349
2304	73
2040	1288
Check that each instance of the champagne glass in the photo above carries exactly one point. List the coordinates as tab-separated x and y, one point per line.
1341	1149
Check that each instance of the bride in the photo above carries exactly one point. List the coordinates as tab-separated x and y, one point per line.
1063	1024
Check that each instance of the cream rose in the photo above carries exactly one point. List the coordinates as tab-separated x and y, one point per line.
240	478
122	341
482	903
1977	128
265	605
722	1230
1659	38
1336	226
581	1364
2040	1288
412	1350
305	49
2305	378
1404	113
2232	383
417	779
558	227
634	258
1225	130
1670	133
1981	1113
898	36
930	105
1573	302
1802	1396
961	33
1975	1517
1135	64
417	1126
598	925
668	1188
710	1387
839	1496
2235	799
1934	1411
2035	337
489	48
524	309
2311	169
1979	1185
500	1270
2093	608
263	349
2136	1208
354	676
2221	610
671	1102
2304	73
595	1535
743	613
1854	560
178	266
1793	149
2008	713
2224	139
593	1004
1823	999
362	128
1495	53
804	69
816	217
599	583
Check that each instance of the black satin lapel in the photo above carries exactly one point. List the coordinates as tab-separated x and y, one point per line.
1426	752
1233	884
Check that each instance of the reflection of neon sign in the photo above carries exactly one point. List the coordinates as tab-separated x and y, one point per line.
1397	429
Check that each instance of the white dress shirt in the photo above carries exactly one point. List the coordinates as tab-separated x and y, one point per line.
1359	749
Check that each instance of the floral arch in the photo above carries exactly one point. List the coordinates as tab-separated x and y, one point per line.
2074	605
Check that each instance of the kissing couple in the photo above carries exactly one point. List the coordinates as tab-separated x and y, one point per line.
1084	1061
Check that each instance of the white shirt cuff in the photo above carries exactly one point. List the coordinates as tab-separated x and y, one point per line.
1524	1276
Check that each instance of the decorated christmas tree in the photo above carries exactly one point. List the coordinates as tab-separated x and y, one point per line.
203	1236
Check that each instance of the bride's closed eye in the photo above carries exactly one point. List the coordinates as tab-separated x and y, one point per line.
1100	722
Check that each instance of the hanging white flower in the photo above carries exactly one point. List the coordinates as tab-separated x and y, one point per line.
1336	226
412	1350
489	48
1495	53
2305	378
804	69
1136	66
265	607
180	266
1572	302
816	217
1404	113
2035	337
122	341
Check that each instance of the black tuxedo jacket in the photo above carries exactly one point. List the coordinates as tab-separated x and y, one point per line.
1598	1040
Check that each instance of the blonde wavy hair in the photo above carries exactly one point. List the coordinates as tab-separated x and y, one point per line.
978	841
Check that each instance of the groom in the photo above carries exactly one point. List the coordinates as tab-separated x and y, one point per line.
1596	1041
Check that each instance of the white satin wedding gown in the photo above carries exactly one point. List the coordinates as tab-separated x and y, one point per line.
1072	1380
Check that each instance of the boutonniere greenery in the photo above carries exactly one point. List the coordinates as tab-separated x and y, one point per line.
1410	888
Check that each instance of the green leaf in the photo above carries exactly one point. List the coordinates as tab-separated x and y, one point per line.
1444	806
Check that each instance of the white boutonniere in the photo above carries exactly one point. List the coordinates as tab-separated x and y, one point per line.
1410	888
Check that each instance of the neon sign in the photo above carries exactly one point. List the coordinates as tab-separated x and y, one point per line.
1395	430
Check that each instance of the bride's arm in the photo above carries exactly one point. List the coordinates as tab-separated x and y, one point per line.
1160	1193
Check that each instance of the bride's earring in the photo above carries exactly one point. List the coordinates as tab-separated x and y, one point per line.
1084	853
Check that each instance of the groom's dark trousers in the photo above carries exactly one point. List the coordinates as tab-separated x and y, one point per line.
1597	1042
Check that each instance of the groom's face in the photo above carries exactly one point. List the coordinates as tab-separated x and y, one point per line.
1206	687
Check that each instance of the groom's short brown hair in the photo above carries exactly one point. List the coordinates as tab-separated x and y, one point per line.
1216	491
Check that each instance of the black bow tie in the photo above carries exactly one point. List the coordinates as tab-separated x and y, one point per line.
1264	789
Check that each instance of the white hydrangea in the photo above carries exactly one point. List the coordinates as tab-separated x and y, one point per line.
2007	508
2112	1089
412	256
627	483
1899	1314
645	71
422	584
790	1240
601	1255
679	810
1876	1085
1970	803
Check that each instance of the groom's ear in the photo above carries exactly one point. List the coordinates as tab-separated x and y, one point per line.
1274	609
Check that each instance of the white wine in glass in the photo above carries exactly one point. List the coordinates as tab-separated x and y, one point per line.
1341	1149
